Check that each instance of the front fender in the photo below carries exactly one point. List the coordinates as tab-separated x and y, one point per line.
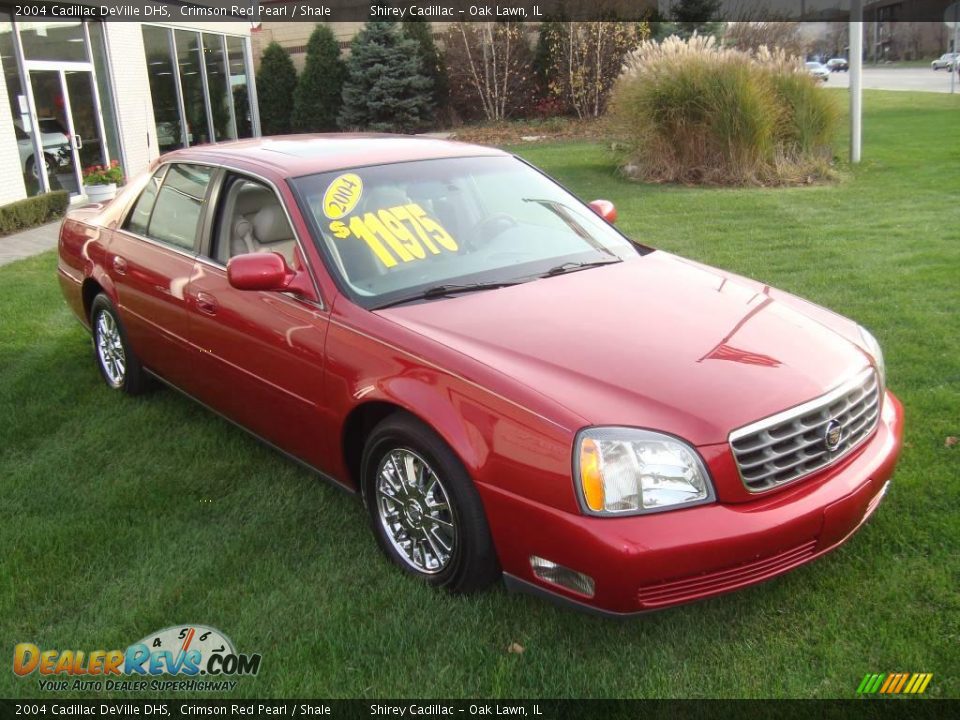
501	443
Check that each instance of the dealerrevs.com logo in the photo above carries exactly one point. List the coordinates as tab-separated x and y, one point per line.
201	657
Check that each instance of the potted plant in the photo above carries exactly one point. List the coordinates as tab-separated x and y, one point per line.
100	181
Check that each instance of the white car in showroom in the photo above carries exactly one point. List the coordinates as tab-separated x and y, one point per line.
56	146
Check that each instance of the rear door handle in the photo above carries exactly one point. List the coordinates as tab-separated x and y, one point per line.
207	303
119	265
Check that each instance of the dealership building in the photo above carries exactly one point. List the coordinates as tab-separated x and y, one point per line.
78	93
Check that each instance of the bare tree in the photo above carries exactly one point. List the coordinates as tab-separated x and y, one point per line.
586	60
489	63
753	35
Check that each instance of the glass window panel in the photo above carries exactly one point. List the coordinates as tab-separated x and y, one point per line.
53	41
99	52
176	213
85	122
139	218
238	85
163	88
18	107
221	109
190	64
51	106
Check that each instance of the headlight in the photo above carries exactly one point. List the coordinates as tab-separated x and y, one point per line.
626	471
873	347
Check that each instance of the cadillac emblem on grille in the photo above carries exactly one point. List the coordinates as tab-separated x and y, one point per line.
807	437
832	434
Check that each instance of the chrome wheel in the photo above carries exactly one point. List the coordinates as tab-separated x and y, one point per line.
415	511
110	351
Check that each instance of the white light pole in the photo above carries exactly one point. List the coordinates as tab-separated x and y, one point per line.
856	77
954	12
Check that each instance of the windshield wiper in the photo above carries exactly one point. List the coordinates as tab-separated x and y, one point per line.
567	216
568	267
450	289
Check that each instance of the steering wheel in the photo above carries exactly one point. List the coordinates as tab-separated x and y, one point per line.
492	226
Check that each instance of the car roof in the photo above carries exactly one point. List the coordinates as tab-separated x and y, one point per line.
296	155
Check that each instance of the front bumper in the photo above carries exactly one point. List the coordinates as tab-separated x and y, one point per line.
645	563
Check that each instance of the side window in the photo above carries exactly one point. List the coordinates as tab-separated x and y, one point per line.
179	204
251	220
139	218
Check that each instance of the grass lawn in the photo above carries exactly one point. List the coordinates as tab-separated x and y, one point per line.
123	516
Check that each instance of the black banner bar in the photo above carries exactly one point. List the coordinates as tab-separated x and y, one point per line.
881	709
314	11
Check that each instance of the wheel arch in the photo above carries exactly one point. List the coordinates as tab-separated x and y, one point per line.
364	417
94	284
88	291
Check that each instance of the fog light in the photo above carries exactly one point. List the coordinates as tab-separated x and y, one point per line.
559	575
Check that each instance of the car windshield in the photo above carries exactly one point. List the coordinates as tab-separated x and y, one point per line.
398	231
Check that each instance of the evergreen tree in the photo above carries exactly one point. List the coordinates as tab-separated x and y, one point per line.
385	89
696	16
316	101
431	61
276	82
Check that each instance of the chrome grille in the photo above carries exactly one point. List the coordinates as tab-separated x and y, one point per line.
792	444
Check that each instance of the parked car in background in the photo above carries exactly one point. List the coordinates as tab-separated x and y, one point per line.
511	385
55	143
947	61
818	70
838	64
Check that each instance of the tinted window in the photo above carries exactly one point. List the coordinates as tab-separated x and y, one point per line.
176	214
139	218
252	220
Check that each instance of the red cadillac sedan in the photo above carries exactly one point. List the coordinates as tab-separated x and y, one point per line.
510	384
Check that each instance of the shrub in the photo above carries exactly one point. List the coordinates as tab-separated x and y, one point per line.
276	83
385	89
316	100
693	112
33	211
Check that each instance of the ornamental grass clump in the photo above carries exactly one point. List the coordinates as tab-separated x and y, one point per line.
690	111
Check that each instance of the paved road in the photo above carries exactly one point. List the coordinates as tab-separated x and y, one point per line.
881	78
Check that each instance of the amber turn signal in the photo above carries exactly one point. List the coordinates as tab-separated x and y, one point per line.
591	478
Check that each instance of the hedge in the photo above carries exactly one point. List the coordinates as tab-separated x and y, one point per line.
33	211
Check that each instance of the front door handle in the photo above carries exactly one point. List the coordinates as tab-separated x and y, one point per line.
207	303
119	265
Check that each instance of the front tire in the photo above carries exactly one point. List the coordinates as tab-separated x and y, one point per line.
118	364
424	509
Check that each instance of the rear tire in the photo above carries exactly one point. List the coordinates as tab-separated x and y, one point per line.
118	364
424	509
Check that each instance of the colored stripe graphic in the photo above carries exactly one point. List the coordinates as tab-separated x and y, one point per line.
894	683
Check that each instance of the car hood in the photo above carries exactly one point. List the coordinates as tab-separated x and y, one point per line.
655	342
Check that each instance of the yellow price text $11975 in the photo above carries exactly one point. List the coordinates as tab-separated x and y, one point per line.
404	232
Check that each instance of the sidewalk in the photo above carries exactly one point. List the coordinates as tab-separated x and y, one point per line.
29	242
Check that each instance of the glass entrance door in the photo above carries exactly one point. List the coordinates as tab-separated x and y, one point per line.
69	124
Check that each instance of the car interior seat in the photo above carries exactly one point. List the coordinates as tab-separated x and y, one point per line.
254	222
